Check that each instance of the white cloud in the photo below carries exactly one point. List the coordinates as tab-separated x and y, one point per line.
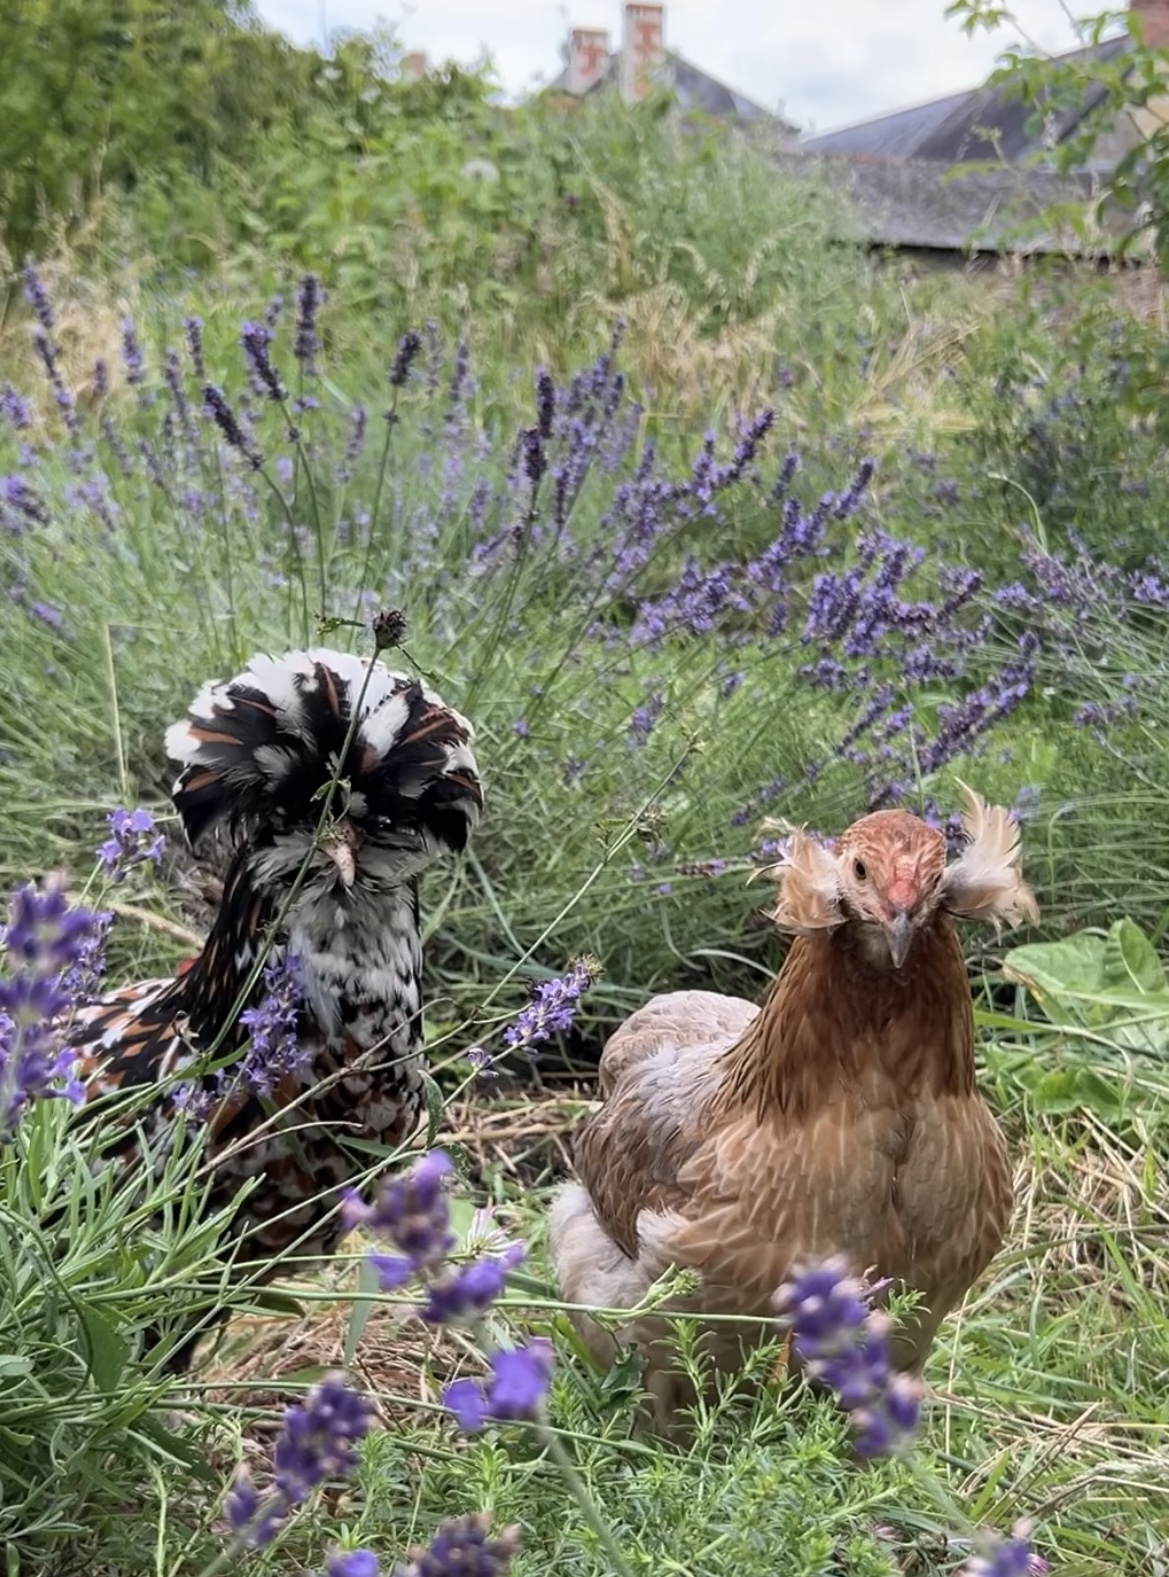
838	62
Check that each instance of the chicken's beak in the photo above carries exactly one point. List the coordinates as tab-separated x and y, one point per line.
898	934
339	846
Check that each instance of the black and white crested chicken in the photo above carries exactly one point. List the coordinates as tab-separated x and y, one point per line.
257	754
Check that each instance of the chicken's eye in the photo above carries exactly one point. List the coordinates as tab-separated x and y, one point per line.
859	870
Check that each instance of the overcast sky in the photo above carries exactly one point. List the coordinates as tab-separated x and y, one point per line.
826	63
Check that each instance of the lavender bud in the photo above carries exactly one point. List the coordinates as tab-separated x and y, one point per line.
408	347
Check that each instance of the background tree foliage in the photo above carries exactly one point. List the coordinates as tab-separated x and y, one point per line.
97	94
1132	86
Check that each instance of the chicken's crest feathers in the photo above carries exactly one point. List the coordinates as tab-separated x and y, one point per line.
258	749
986	881
809	884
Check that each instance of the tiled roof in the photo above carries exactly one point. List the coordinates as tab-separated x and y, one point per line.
921	203
695	90
954	129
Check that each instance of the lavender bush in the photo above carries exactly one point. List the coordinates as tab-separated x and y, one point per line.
644	629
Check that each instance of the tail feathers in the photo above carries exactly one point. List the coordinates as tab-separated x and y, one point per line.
591	1269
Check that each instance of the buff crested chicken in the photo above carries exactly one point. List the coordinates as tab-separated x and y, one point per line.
256	753
839	1119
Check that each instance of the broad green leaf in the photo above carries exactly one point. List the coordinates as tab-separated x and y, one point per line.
1060	973
1113	985
1130	960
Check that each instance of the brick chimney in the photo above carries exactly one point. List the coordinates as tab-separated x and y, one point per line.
414	65
588	58
643	48
1154	15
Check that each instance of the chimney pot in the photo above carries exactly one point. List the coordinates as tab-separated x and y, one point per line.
1154	15
643	48
414	65
588	58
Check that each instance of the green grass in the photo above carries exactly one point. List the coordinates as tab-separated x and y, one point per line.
1046	1403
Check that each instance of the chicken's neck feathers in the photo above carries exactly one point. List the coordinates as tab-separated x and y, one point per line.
831	1015
360	955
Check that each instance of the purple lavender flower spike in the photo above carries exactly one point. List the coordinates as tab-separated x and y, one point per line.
308	304
462	1547
553	1006
533	454
132	357
15	409
194	330
467	1400
256	339
470	1290
133	841
353	1563
643	718
844	1344
514	1392
38	299
411	1212
545	404
1011	1557
225	419
317	1443
275	1048
319	1438
408	347
47	948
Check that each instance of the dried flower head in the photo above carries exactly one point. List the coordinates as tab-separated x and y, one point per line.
389	628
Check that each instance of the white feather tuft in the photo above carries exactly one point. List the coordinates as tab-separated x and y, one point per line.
383	682
809	893
181	744
212	695
382	728
986	881
284	680
461	758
